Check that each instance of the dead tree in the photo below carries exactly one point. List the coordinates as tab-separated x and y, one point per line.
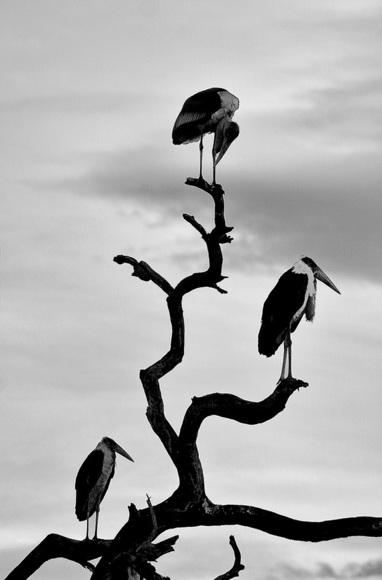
129	554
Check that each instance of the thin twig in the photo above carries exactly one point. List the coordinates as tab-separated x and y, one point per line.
237	565
191	220
154	532
144	272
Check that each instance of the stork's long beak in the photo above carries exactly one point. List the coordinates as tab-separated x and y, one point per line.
326	280
122	452
230	132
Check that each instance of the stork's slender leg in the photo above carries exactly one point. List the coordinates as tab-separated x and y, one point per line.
287	355
96	524
214	147
282	376
290	354
201	157
87	520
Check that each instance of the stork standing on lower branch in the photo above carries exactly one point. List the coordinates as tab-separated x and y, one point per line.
293	296
93	480
209	111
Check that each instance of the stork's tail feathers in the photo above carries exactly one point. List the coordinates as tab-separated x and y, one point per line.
267	344
81	512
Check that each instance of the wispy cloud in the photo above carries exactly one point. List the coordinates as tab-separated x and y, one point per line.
343	116
368	569
311	209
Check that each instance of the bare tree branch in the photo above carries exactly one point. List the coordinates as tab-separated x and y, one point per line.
291	529
233	407
191	220
56	546
145	272
237	565
154	532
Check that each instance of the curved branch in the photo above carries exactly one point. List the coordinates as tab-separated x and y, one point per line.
284	527
233	407
237	565
56	546
174	514
145	272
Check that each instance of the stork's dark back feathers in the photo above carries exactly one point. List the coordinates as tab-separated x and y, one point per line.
86	479
196	113
279	309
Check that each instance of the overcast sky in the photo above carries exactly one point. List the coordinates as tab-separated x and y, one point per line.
90	92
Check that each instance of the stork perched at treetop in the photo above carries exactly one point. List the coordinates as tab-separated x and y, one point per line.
293	296
209	111
93	480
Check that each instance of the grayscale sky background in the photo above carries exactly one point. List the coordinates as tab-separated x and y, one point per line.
90	92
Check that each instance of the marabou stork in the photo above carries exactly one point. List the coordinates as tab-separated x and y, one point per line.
93	480
293	296
209	111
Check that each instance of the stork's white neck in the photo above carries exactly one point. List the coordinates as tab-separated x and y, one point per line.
108	458
301	268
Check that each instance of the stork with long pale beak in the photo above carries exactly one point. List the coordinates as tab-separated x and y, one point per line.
209	111
293	296
93	480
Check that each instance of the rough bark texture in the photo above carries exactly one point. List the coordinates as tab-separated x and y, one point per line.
132	548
